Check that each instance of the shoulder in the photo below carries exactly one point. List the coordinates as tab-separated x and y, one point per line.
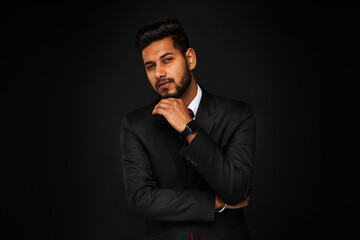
139	117
226	102
232	107
232	116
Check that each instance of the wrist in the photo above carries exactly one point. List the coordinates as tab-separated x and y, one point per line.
191	128
191	136
219	203
222	209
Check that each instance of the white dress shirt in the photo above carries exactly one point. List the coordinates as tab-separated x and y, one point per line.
194	105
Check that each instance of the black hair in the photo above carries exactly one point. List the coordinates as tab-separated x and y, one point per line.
160	30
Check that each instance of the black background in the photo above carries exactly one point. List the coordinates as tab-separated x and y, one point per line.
70	73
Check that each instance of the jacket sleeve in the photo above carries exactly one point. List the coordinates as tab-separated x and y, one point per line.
146	198
227	169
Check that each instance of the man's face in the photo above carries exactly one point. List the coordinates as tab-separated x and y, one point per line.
166	68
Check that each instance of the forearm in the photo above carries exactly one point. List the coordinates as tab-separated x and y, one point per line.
152	202
230	179
169	205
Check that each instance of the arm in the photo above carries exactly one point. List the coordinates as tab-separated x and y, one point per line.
228	171
147	199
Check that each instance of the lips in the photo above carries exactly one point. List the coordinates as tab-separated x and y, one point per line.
163	84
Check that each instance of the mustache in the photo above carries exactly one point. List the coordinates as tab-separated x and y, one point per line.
164	80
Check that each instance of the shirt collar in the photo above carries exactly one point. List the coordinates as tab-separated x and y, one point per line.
194	105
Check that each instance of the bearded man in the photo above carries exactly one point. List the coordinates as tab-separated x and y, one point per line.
187	157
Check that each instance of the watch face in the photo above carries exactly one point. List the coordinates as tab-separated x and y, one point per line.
188	129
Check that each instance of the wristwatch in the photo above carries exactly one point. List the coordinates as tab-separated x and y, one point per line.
191	127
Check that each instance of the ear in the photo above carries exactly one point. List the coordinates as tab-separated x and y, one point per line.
191	58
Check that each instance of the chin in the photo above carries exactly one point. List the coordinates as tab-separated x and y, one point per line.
166	93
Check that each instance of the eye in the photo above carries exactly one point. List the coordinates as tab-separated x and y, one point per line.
167	60
150	67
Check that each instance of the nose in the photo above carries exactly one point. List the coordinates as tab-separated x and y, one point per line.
159	72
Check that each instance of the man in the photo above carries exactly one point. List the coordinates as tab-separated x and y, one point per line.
187	176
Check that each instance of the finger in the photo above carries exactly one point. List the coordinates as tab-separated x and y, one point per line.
236	206
160	111
243	203
171	106
177	101
162	105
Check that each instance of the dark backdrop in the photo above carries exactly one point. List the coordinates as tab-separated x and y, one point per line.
71	73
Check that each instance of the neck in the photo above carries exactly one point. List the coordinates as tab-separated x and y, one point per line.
190	93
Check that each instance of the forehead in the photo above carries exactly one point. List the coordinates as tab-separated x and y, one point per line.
158	48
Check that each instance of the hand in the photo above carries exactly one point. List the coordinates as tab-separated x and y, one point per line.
241	204
219	203
175	112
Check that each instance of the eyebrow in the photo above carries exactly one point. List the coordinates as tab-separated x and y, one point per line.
161	57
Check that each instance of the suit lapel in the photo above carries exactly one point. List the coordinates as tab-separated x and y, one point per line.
206	109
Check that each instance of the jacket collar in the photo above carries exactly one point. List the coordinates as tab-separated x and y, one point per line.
206	109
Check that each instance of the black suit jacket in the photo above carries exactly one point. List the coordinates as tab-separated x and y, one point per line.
175	199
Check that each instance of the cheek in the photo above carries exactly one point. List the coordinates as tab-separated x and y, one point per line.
177	71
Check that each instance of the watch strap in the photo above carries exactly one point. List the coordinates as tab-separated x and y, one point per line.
191	127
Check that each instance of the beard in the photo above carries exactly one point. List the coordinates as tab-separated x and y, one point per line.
180	88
